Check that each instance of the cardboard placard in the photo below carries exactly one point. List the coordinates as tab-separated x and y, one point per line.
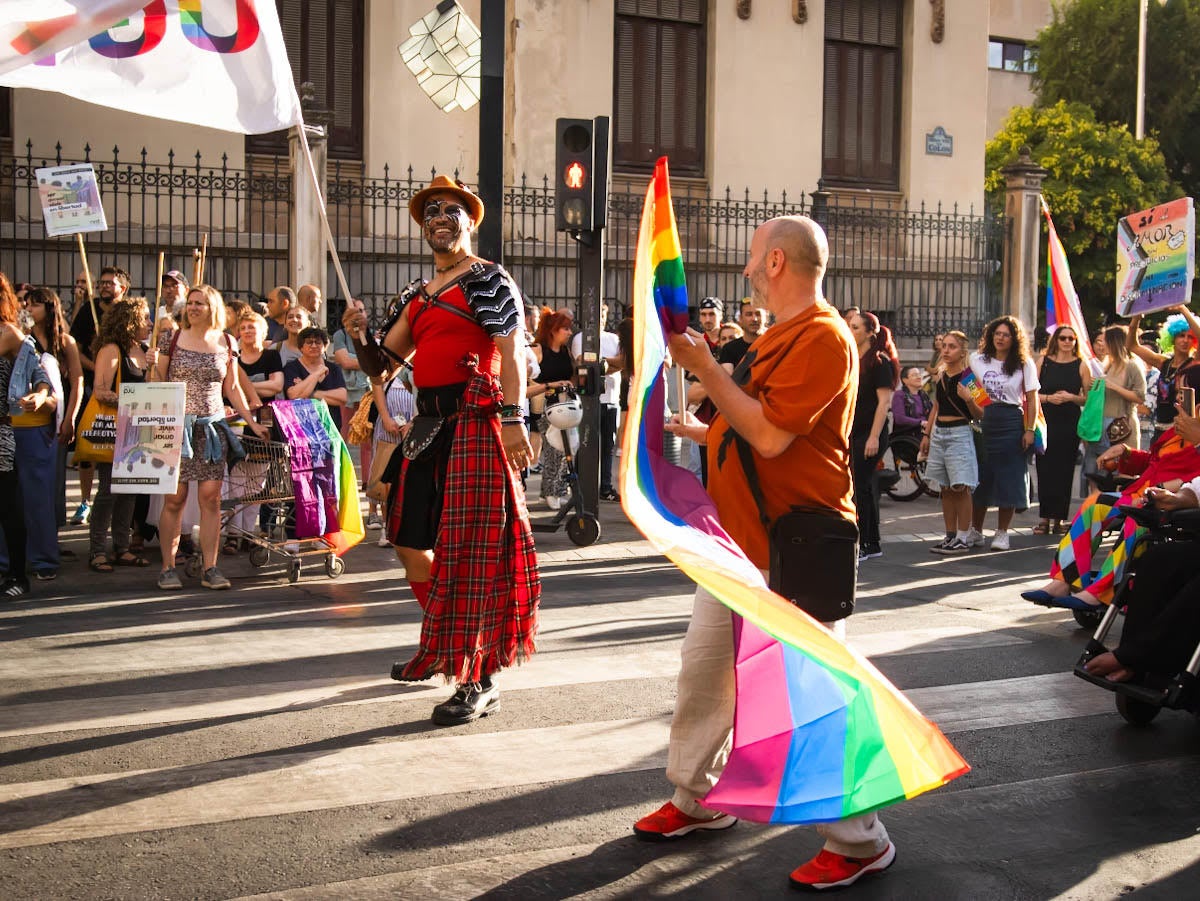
149	438
70	199
1156	258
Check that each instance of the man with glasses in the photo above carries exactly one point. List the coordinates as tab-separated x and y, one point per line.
111	286
457	513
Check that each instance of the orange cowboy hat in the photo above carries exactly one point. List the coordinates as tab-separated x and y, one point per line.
443	184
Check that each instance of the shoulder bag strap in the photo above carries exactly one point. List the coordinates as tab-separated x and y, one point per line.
746	455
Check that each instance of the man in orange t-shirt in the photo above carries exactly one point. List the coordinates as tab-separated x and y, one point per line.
792	399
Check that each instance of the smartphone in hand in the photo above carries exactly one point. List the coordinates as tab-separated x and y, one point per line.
1187	400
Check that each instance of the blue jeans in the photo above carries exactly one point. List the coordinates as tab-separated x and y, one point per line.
37	456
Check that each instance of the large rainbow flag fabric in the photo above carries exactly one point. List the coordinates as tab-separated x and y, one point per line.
1062	303
819	733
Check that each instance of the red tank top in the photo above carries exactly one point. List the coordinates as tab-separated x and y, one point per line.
443	339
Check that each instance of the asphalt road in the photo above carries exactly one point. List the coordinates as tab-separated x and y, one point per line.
249	743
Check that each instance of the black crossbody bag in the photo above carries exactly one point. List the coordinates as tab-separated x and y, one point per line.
814	552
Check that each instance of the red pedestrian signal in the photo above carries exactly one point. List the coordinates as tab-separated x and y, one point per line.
575	176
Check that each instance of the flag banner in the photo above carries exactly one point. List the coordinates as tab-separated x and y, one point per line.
70	199
217	63
978	394
1156	258
819	733
32	29
149	438
1062	303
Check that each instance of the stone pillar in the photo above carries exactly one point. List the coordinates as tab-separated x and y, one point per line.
306	250
1022	237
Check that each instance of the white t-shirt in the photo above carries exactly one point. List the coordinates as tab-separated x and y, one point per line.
610	346
1002	388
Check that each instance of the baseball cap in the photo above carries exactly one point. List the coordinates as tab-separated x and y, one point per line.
712	303
177	276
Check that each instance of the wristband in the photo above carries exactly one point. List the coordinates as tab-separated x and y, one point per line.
508	422
510	410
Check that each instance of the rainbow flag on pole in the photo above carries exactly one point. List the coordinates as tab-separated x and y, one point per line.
1062	303
819	733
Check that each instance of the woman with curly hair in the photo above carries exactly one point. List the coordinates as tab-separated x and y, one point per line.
1009	378
878	377
122	358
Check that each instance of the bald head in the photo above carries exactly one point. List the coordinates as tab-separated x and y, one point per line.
802	241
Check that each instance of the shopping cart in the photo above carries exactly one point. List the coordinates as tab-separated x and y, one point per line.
264	478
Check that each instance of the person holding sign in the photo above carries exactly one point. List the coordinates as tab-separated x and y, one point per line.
1176	365
202	356
121	359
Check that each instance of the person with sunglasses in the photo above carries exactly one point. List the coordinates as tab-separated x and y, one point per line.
1066	380
457	513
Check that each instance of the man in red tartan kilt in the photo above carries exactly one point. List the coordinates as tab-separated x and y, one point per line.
457	514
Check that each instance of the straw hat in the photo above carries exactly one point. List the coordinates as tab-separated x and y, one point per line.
443	184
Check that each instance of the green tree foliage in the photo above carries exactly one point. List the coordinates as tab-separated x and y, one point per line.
1088	55
1098	173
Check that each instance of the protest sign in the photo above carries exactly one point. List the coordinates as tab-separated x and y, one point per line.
1156	257
70	199
149	438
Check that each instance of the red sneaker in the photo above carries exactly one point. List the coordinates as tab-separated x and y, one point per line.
828	870
670	822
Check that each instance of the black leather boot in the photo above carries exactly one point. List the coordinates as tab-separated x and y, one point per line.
468	703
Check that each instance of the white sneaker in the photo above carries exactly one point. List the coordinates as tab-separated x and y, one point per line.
974	537
1000	541
553	502
383	541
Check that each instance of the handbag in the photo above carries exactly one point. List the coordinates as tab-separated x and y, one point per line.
1091	418
1118	430
425	438
359	430
378	486
814	552
96	436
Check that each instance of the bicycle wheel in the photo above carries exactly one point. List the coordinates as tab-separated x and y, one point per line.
901	458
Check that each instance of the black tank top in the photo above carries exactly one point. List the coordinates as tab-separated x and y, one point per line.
556	365
948	401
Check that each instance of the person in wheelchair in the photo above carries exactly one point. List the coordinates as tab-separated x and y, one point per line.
1162	616
910	405
1074	584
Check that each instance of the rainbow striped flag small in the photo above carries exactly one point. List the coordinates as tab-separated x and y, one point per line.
978	394
818	733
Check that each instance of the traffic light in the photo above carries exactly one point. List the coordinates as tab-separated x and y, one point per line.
574	199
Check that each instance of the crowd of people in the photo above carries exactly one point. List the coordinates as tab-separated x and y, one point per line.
233	358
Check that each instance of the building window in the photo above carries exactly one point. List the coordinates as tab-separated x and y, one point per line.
324	40
659	96
1010	55
861	132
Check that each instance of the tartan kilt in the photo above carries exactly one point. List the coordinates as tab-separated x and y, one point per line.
484	591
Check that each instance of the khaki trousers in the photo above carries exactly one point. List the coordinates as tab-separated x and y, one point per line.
702	727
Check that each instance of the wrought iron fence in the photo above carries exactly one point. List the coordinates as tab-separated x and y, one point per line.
921	270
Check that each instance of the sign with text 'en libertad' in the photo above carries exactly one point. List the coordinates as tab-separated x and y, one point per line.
70	199
1156	257
149	438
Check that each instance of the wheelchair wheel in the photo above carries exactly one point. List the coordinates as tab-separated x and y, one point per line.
901	457
259	556
334	566
1136	713
1088	619
293	572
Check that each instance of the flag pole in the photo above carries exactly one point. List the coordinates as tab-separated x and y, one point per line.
329	242
199	255
157	300
87	277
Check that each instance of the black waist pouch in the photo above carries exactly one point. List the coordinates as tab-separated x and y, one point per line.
814	562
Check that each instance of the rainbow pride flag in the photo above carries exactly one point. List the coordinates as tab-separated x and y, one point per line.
978	394
1062	302
818	734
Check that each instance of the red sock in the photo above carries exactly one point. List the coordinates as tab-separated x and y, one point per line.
421	590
